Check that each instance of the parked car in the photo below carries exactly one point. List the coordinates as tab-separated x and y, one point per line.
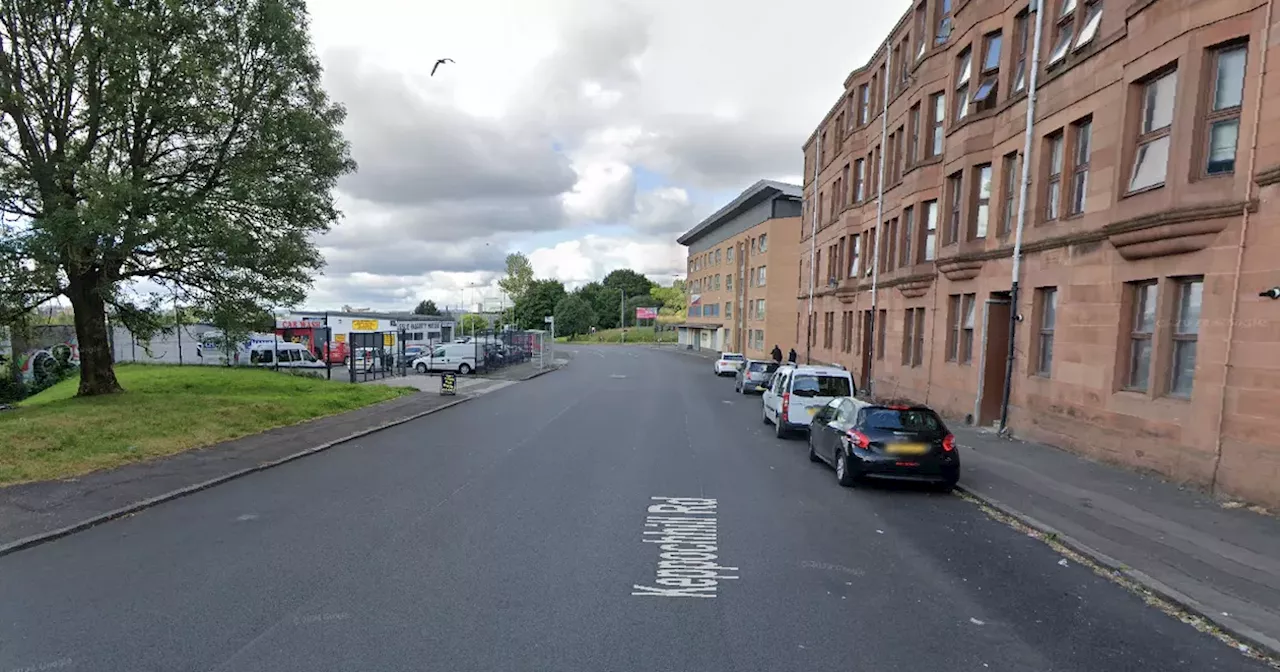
460	357
283	355
729	363
796	393
861	439
753	376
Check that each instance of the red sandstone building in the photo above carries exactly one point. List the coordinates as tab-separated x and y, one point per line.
1151	228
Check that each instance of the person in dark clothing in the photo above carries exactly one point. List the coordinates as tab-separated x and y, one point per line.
791	356
777	354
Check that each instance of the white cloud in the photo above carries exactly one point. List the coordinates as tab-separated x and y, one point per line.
601	126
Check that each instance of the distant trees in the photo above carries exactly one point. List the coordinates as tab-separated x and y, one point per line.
537	302
472	323
519	276
574	316
426	307
673	298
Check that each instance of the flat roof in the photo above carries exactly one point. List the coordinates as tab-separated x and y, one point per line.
756	193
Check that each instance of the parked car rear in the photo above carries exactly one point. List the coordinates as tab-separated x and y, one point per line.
797	392
754	376
861	439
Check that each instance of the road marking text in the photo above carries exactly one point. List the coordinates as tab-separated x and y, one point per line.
685	529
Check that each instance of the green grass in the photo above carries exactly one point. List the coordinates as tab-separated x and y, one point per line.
164	410
634	335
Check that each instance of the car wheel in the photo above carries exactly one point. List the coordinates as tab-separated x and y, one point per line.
464	369
946	487
778	431
764	414
843	475
422	368
813	456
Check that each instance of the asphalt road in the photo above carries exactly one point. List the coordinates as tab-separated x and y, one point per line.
507	534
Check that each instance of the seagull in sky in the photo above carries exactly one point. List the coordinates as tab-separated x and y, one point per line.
438	64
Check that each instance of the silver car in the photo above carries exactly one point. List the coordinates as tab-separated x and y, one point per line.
753	376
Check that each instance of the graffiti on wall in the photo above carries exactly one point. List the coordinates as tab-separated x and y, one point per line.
48	365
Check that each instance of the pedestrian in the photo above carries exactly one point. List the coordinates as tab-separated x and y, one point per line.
791	356
777	354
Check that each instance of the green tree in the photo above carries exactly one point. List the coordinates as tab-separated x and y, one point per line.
574	316
426	307
188	144
519	276
605	302
236	318
472	323
629	281
538	302
674	300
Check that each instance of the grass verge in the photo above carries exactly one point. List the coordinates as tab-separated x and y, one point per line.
634	335
164	410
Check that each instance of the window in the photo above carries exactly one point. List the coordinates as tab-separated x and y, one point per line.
1021	37
890	158
964	69
944	22
930	230
898	158
1186	331
936	118
864	104
982	209
840	126
922	29
966	328
760	276
728	309
1092	21
1151	160
728	281
881	329
826	330
913	140
908	237
728	254
759	309
844	185
1053	187
887	242
859	179
988	89
913	337
1140	335
870	241
764	242
854	256
1048	310
1009	185
1065	30
1082	132
955	187
1223	121
953	327
904	63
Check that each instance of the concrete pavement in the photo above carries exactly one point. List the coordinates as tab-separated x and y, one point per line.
508	533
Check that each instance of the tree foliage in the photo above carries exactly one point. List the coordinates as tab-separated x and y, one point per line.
673	299
235	319
472	323
519	276
185	144
538	302
426	307
606	303
629	281
574	316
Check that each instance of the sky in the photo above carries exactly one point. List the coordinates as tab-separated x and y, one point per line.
587	134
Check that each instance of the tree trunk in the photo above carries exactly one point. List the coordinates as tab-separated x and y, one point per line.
97	365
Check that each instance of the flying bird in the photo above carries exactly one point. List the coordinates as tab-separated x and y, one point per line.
438	64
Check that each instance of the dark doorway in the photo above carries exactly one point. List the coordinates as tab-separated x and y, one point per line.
868	336
995	356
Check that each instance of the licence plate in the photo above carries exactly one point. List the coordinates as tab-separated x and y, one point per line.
907	449
813	410
760	388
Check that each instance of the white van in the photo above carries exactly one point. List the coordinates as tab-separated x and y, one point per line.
460	357
796	393
284	355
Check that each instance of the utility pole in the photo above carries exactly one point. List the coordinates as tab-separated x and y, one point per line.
622	315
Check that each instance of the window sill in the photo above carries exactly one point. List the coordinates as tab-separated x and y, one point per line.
1144	190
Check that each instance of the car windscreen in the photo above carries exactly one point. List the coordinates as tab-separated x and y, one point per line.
763	367
810	385
733	358
900	420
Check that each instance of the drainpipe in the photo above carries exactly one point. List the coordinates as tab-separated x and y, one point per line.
876	243
1022	216
1244	236
813	249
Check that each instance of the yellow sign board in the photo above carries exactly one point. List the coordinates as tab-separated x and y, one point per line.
388	339
341	338
364	325
448	384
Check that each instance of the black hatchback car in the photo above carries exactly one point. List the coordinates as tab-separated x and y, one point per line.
861	439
